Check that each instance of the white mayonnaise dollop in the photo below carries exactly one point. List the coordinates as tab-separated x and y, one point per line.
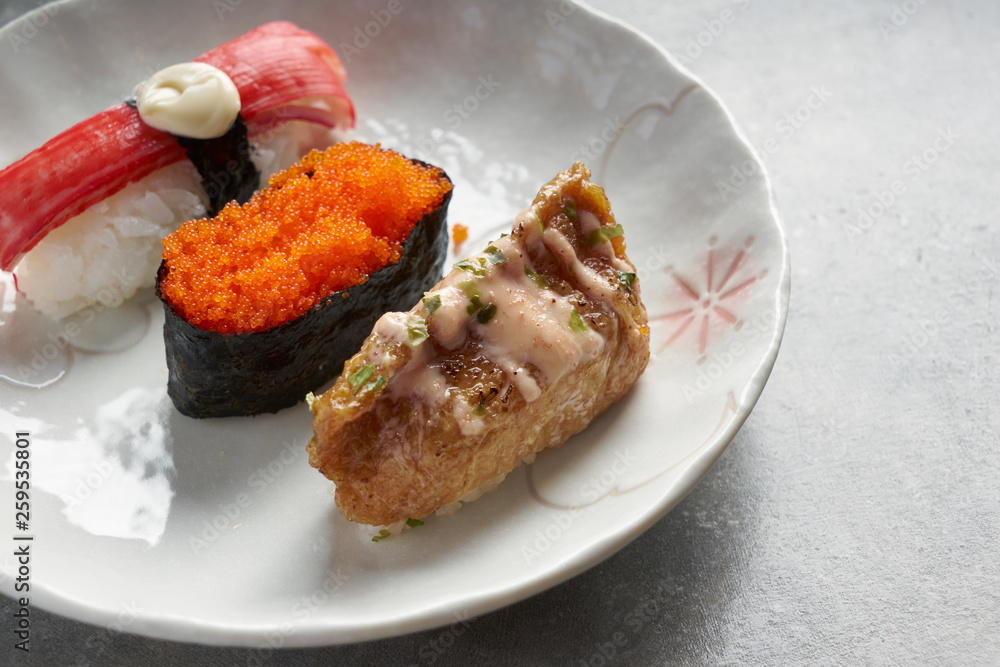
193	100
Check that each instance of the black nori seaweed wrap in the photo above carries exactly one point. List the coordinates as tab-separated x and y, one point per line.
224	164
221	375
227	171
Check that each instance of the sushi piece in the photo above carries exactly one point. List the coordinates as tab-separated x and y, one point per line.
517	349
265	301
81	218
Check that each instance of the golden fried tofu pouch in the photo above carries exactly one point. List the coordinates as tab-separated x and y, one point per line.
515	350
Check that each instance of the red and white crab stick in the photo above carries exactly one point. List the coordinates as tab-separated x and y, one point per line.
282	73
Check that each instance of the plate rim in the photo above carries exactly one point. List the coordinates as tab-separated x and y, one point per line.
308	634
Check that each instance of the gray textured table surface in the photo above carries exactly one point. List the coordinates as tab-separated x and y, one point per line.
854	519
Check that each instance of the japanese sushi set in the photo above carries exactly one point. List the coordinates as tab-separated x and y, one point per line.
288	257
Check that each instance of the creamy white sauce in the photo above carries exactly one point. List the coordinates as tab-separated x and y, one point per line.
421	383
190	100
468	423
529	337
591	283
392	326
589	223
531	327
417	380
448	324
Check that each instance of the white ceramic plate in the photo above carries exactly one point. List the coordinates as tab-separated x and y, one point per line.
218	531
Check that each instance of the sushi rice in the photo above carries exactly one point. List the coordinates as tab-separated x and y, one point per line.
112	250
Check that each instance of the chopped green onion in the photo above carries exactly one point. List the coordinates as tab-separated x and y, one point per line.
494	255
570	208
432	303
477	268
480	409
475	305
413	523
541	224
360	377
602	234
378	382
626	279
504	235
576	322
486	314
382	534
535	278
417	329
470	288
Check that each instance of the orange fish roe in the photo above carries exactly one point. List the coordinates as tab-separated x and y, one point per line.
459	234
321	226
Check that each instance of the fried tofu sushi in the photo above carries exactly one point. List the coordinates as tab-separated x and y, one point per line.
515	350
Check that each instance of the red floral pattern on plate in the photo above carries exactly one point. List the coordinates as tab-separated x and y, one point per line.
717	295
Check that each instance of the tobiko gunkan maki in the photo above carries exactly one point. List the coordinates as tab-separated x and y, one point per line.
266	301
